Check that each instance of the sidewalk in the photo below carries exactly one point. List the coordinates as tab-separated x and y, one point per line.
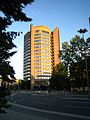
12	115
63	94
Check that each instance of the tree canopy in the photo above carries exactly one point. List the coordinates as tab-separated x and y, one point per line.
10	10
74	55
76	50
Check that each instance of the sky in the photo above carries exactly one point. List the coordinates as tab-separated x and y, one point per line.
68	15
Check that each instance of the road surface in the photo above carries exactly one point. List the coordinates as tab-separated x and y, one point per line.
52	106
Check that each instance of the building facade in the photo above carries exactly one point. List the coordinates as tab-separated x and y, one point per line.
27	57
41	50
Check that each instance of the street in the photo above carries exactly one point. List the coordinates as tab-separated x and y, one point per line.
51	106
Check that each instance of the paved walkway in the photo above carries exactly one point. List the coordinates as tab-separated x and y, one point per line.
12	115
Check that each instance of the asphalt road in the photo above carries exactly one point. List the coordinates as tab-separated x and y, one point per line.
52	106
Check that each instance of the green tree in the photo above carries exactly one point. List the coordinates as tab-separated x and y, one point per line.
74	54
11	10
58	80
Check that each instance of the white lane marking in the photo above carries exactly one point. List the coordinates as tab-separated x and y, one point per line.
52	112
72	106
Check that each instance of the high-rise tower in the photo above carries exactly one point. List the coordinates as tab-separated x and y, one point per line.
27	57
41	50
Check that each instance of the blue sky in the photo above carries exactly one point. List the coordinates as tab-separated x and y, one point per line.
68	15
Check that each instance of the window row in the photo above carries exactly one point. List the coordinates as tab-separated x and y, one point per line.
37	34
42	60
41	71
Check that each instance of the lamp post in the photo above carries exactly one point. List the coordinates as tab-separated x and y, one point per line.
83	31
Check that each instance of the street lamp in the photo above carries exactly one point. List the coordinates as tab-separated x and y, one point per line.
82	31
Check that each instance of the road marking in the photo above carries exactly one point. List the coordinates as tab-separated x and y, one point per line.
52	112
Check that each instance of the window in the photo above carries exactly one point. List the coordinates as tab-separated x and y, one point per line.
37	43
37	56
45	31
37	34
37	51
37	40
37	60
37	46
36	31
39	37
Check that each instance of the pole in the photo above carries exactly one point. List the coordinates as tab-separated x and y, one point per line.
86	65
82	31
87	74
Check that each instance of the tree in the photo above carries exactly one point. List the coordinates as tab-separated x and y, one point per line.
12	10
77	75
74	54
58	80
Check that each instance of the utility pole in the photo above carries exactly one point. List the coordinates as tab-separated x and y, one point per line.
83	31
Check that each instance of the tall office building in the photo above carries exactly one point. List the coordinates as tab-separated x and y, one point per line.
27	57
41	50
